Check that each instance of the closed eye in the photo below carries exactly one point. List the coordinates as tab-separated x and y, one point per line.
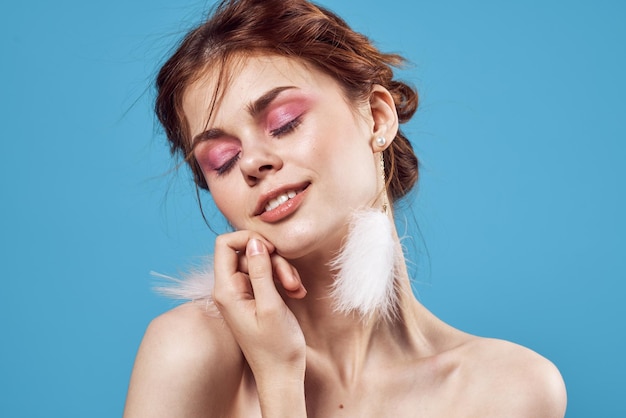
286	128
228	165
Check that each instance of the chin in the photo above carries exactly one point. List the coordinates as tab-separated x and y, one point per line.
302	242
292	254
294	248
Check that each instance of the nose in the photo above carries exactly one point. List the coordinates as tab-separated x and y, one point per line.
257	161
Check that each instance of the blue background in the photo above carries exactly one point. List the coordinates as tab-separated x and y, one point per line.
521	202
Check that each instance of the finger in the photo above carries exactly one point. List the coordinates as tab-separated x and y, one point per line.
242	262
230	283
237	241
261	277
230	252
288	277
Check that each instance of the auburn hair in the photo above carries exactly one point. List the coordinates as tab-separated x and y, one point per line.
295	29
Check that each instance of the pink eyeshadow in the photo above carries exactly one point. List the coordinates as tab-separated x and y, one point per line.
282	114
217	154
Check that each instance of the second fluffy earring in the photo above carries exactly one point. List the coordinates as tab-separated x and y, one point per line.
366	267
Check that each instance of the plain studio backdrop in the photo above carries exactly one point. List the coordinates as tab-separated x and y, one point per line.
517	227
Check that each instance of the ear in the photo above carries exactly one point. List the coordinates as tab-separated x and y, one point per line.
384	117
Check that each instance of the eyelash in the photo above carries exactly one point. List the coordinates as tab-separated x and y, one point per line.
228	165
277	133
286	128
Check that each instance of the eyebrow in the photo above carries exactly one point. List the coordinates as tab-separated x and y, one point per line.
255	108
259	105
206	135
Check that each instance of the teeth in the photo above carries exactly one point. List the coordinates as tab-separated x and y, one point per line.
279	200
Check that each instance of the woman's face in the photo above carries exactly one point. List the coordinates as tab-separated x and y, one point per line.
284	153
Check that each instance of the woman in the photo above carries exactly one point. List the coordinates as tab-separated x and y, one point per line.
291	120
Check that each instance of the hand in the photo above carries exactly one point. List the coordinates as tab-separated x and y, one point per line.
265	329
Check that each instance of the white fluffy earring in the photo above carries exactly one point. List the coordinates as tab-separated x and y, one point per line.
366	267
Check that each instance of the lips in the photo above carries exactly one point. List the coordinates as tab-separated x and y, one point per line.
274	203
276	198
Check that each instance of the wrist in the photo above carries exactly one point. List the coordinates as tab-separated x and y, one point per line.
282	394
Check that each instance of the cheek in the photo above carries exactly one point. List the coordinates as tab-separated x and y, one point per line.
349	157
230	201
226	204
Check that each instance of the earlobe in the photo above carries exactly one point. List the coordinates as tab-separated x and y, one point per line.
384	117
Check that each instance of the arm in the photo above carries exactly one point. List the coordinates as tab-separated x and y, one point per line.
265	329
188	365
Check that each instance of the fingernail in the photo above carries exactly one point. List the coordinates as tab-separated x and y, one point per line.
254	247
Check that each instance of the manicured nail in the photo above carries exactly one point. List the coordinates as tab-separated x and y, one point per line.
255	247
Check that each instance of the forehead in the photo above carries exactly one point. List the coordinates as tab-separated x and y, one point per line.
244	80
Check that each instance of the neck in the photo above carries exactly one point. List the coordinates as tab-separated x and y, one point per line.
344	343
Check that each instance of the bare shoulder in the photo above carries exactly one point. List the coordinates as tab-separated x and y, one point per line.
188	364
188	334
506	379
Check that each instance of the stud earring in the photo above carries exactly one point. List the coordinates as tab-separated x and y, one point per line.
381	141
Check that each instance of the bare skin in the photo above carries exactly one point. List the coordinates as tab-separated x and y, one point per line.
279	349
190	365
